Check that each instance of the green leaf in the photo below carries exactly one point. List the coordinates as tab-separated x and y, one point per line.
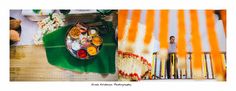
37	11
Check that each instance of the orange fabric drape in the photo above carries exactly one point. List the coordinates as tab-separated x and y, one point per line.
163	38
150	17
132	33
181	34
163	34
196	45
122	17
223	17
218	64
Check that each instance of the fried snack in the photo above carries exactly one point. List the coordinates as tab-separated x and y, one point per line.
14	24
74	32
14	35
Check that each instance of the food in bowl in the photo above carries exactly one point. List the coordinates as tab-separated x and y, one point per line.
75	45
97	41
74	32
82	53
92	50
92	32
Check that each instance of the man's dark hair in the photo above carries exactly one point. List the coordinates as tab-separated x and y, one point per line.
172	37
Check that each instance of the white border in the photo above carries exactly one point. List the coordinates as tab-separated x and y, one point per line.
121	4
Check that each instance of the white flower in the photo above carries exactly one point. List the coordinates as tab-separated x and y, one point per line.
47	26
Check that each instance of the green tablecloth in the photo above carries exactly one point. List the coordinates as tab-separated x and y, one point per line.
58	55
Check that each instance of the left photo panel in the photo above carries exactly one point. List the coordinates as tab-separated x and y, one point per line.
63	45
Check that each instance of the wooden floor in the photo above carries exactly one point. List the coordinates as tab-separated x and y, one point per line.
29	63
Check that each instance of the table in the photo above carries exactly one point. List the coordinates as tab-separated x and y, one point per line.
27	65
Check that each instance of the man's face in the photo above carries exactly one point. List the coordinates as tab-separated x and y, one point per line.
172	40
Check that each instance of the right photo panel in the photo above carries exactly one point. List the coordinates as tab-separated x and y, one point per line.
171	44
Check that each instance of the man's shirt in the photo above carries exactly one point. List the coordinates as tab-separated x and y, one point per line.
172	47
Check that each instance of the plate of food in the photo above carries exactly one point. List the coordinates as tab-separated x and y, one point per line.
83	42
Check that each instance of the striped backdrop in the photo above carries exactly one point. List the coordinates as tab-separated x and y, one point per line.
147	31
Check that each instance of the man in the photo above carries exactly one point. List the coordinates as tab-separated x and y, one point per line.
172	59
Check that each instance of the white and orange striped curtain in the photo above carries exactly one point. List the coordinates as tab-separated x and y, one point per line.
195	31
